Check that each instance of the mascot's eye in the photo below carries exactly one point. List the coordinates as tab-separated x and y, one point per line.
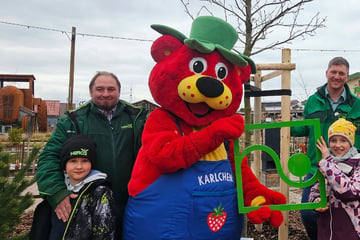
221	70
198	65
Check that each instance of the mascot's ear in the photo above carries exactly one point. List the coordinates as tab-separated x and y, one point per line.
164	46
244	73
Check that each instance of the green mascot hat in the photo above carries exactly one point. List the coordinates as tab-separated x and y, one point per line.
209	33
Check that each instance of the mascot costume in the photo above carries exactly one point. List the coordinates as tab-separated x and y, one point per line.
183	183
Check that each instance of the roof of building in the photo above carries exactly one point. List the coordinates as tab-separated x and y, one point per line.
53	107
17	77
354	75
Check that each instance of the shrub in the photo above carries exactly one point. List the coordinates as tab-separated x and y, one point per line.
15	135
12	202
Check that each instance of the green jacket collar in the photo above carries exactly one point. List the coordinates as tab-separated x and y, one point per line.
350	98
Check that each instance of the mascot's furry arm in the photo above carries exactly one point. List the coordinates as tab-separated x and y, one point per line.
169	145
165	149
256	194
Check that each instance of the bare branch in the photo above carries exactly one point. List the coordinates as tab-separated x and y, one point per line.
257	20
186	5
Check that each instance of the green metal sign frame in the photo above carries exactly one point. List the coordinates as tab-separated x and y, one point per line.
299	165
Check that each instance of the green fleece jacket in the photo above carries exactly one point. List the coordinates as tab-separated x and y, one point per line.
118	142
317	106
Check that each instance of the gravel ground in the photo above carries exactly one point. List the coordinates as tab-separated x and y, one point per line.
296	228
24	225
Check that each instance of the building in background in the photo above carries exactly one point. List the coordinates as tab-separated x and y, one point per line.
271	110
19	107
354	83
55	110
147	104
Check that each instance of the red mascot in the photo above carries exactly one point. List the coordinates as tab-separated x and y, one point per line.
183	183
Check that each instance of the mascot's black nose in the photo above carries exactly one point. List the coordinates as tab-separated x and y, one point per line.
210	87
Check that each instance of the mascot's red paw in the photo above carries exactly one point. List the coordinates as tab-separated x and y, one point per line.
259	216
276	218
262	214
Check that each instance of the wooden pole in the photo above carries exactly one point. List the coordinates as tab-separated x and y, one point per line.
257	135
72	63
284	69
285	140
257	119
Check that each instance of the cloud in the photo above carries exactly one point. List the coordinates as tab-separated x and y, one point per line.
46	53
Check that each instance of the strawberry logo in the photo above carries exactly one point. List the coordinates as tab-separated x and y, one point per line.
216	219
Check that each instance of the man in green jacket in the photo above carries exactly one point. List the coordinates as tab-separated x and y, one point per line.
116	127
332	101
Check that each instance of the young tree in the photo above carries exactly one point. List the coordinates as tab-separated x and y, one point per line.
15	136
260	21
12	202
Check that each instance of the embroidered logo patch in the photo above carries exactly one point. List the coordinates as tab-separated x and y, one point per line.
81	152
216	219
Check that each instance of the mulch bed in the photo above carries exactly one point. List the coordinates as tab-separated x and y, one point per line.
25	224
296	228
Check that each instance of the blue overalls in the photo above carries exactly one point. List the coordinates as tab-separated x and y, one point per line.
177	205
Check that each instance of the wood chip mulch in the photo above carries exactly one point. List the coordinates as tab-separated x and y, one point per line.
296	228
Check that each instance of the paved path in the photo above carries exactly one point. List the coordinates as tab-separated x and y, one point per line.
33	189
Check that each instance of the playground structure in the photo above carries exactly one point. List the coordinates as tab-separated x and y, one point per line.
282	69
18	106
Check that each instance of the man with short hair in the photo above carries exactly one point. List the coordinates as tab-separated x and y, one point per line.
116	127
331	101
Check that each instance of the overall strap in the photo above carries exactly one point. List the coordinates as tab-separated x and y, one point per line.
73	116
178	125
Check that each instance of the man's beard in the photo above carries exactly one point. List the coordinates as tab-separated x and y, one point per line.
105	106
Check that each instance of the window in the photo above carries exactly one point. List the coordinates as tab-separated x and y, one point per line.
8	103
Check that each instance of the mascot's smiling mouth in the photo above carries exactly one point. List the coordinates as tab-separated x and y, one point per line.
199	109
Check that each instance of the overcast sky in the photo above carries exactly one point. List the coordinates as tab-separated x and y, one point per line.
43	48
